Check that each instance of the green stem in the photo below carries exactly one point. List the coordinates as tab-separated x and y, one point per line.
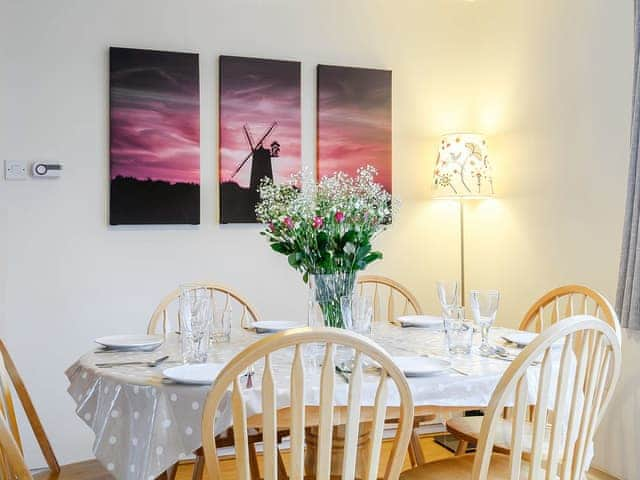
332	313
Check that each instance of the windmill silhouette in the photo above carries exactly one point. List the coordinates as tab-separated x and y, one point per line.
261	157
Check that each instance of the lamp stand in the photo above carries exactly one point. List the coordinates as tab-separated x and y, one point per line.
462	292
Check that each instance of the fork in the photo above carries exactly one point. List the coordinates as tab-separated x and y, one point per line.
153	363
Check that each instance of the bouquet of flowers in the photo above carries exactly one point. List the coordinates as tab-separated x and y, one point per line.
326	228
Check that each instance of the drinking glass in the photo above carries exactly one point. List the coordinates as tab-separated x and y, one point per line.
195	323
357	313
447	293
221	327
459	334
484	307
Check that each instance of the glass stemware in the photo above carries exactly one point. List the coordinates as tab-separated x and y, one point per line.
447	293
484	307
195	323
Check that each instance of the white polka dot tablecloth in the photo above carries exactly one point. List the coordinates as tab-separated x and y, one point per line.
143	423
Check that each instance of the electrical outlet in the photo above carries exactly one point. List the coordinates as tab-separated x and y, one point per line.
14	170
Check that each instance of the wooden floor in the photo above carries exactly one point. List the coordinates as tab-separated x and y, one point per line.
432	451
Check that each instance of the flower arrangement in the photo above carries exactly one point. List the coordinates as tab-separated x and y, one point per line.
326	229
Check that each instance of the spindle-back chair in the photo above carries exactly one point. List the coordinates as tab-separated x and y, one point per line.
387	295
295	415
574	384
553	306
223	297
12	463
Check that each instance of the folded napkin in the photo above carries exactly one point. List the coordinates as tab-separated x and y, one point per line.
421	321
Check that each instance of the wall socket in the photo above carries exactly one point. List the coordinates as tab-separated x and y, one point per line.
14	170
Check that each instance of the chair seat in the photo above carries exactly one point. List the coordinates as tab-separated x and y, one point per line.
89	470
460	468
468	429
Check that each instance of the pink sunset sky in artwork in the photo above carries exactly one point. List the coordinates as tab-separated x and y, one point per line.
354	121
257	92
155	116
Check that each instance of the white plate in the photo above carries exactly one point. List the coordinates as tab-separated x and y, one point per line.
522	339
271	326
421	321
131	342
195	373
421	366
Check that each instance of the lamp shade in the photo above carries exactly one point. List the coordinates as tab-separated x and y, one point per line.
463	169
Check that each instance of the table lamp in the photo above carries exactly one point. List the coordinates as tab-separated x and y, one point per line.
462	173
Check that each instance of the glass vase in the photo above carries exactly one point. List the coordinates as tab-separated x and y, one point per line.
326	293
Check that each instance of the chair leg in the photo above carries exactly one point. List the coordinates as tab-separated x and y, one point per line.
171	472
418	454
253	462
462	447
198	468
412	456
282	470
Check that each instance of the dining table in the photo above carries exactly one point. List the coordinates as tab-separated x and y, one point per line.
145	423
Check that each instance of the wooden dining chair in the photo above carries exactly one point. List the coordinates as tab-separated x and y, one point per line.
299	415
553	306
163	317
387	295
566	301
164	320
12	463
574	384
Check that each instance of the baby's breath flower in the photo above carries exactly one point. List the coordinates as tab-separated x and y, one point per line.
322	226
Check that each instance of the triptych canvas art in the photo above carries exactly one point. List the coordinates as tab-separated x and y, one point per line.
155	131
260	130
154	137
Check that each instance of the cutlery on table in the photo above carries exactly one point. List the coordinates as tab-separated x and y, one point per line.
461	372
127	350
343	372
502	354
153	363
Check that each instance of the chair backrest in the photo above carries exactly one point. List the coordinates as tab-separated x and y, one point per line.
298	415
386	292
164	320
12	464
566	301
574	383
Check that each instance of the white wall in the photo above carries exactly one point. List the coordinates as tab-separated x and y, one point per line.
557	85
549	82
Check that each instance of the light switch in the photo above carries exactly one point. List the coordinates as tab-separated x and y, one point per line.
14	170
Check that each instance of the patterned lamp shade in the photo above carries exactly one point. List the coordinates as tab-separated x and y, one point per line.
463	169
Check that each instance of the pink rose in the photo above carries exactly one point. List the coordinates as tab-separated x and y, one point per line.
271	226
288	222
317	222
339	217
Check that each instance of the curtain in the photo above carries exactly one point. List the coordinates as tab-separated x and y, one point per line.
628	295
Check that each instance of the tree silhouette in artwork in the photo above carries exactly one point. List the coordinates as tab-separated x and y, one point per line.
153	202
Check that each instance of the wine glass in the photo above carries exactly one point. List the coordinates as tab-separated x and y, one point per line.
484	307
447	295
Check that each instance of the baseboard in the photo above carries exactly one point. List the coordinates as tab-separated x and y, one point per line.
601	471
